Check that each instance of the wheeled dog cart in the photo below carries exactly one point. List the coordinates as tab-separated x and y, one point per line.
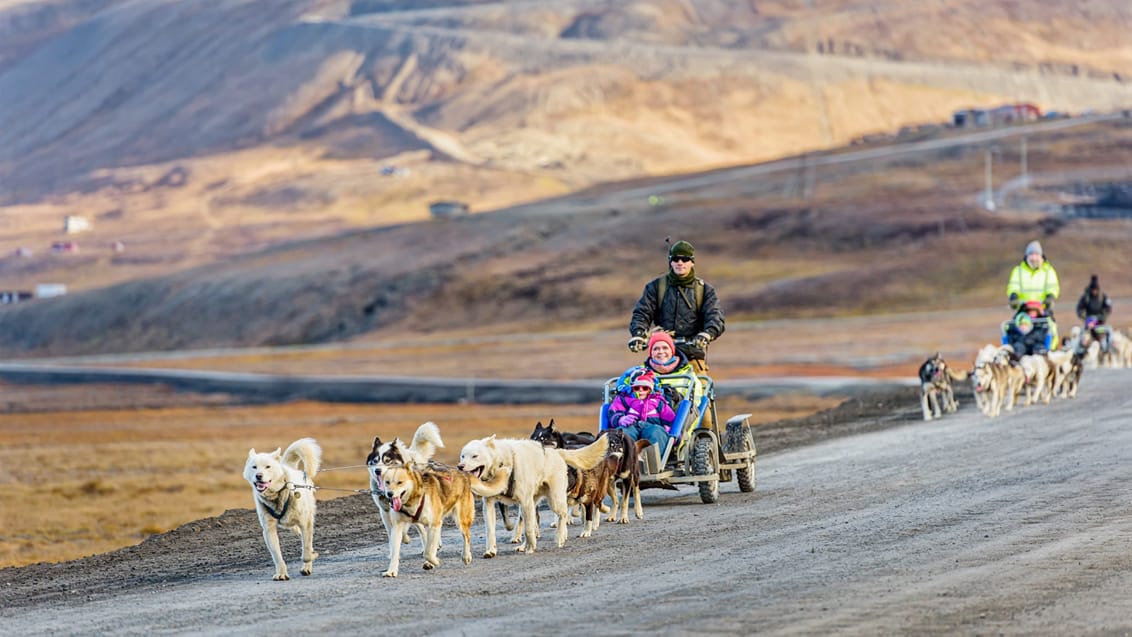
696	453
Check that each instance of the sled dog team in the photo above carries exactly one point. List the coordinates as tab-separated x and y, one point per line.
999	376
568	470
413	492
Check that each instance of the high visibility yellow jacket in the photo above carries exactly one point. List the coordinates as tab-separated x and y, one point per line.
1033	284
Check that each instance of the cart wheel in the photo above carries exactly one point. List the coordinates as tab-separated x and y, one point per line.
746	475
740	439
702	465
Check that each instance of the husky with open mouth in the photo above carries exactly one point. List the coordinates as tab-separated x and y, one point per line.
284	496
395	453
521	472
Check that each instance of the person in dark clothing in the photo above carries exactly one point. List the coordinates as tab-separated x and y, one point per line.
1094	308
1024	339
681	304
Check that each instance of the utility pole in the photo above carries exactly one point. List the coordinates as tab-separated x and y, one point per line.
1025	175
808	179
988	197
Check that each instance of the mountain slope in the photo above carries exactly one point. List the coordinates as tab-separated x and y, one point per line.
243	157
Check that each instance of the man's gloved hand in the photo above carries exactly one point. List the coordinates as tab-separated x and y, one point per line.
701	340
637	344
1014	302
1048	302
626	420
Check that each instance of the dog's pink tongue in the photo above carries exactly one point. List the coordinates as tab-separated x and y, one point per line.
396	504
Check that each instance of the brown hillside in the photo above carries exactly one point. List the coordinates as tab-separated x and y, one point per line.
221	145
873	236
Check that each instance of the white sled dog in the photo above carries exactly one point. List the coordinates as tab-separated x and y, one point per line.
394	453
284	496
521	471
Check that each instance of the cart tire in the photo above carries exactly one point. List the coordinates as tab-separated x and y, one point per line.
746	476
739	438
702	465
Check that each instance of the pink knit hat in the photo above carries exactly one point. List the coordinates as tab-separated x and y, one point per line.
645	379
661	336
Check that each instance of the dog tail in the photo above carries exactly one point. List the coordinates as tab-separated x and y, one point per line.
958	375
306	451
427	440
492	487
587	457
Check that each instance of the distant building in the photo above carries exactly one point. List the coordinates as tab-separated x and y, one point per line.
998	116
64	247
8	297
447	209
48	290
969	117
73	224
1014	113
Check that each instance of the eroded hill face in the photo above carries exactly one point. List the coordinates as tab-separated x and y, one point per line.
897	233
199	137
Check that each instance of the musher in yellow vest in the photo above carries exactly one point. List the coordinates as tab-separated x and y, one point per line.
1033	282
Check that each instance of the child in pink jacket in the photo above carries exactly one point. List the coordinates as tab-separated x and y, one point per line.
643	413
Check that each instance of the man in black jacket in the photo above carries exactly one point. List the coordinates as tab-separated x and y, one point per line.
683	305
1094	304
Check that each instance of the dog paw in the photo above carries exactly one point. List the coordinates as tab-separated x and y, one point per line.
488	555
281	577
468	559
389	574
428	566
624	520
612	518
306	570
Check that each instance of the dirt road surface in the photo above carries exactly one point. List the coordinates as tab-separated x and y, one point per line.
1016	525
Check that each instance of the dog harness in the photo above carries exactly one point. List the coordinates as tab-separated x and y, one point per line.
290	487
420	507
278	515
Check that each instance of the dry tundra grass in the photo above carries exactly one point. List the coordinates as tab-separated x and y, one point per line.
93	479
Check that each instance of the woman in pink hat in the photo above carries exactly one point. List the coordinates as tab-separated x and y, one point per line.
664	359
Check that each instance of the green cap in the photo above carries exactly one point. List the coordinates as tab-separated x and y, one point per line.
681	249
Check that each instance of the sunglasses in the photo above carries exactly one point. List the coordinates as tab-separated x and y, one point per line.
683	259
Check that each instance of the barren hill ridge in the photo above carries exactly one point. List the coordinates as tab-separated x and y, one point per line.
220	143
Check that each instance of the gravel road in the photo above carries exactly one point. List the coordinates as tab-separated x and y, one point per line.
1016	525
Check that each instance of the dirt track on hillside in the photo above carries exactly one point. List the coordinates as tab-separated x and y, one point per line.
965	526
